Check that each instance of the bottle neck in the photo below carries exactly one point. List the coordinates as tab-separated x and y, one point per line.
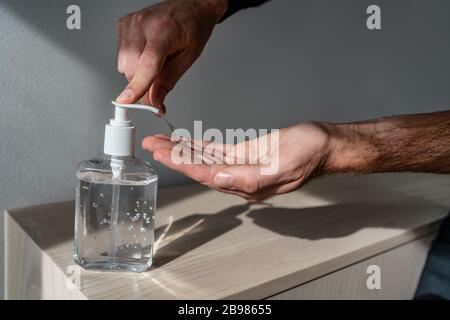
122	158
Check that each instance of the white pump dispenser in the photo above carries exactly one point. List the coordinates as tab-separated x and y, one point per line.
120	132
109	189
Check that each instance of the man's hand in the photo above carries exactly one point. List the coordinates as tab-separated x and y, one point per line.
158	44
418	143
298	154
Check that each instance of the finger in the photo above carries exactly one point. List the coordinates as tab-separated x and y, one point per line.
253	151
244	178
136	44
198	172
122	45
287	187
276	190
165	81
149	65
279	188
155	142
162	136
208	149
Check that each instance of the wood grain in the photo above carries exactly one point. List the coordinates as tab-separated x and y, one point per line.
217	246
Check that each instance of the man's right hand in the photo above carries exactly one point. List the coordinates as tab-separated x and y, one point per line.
158	44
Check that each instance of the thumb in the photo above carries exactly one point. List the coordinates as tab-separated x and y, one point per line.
245	178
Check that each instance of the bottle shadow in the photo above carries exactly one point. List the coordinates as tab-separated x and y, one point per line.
184	235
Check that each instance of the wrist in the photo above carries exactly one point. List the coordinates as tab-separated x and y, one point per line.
216	8
352	149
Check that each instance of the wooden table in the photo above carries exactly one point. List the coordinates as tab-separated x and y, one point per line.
313	243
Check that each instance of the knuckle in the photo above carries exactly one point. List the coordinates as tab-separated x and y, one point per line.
121	22
137	18
129	75
162	22
136	85
148	61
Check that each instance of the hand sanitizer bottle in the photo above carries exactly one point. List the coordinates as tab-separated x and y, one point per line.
115	204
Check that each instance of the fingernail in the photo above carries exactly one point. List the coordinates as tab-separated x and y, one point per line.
223	180
125	96
156	156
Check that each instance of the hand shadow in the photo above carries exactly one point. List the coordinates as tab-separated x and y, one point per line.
184	235
311	223
341	220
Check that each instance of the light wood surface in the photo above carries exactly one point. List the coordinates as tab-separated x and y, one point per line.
400	270
216	246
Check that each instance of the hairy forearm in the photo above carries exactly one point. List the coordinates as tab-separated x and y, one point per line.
418	143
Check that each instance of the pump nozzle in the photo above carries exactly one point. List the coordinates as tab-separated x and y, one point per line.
119	133
120	107
121	114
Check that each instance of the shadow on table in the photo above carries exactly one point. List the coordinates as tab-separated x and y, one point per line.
337	214
311	223
332	221
189	233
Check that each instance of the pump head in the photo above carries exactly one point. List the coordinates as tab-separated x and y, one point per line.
120	131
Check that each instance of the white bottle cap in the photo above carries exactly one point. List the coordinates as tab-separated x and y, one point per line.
120	132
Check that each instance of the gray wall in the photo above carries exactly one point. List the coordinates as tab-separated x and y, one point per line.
305	59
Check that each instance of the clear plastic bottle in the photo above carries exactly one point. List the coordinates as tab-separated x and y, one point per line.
115	204
114	214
